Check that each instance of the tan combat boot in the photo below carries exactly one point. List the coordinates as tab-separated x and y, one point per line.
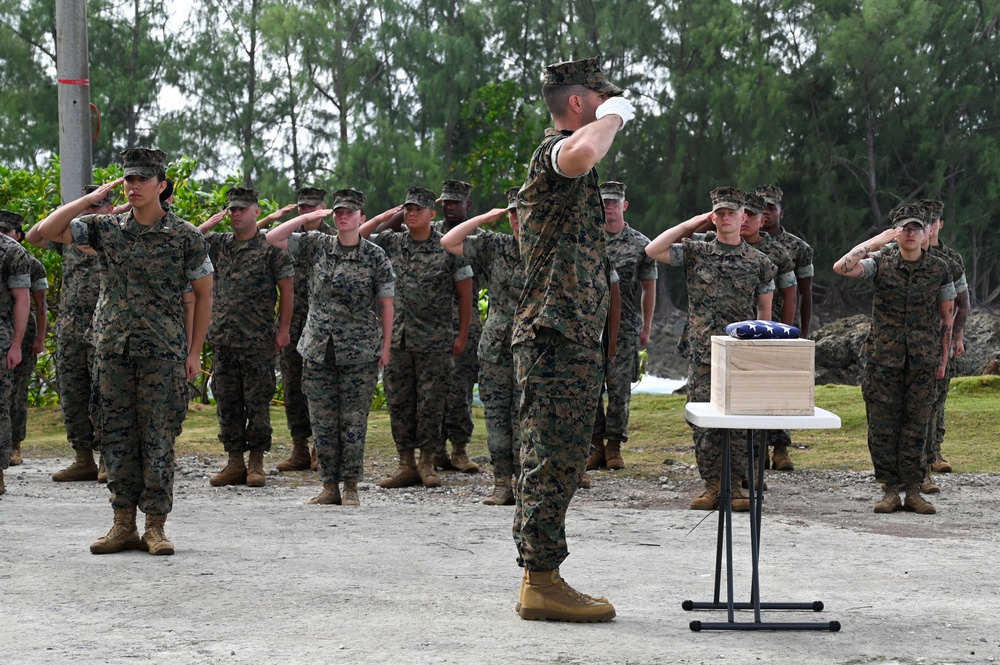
597	458
255	469
709	500
123	534
546	595
425	469
351	497
154	537
234	473
613	456
15	453
460	460
503	494
780	461
929	486
299	460
83	468
739	501
102	471
940	466
330	496
406	475
441	460
915	503
890	502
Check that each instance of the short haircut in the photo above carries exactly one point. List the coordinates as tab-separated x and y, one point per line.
557	97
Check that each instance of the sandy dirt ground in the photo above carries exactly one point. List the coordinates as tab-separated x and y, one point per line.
428	576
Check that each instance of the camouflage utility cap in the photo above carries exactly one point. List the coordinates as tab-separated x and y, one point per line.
754	204
420	196
10	221
310	196
512	198
351	199
770	193
613	191
455	190
906	213
731	198
108	199
581	72
933	208
144	162
240	197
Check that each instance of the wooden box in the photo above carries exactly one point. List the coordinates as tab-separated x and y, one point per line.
763	377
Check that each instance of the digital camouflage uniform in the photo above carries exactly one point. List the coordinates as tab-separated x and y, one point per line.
802	257
296	405
935	435
242	334
723	283
22	373
138	330
627	254
341	345
15	273
498	259
75	355
556	343
902	353
422	336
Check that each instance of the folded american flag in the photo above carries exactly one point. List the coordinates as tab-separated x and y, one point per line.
761	330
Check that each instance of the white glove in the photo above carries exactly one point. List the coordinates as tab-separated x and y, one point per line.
618	106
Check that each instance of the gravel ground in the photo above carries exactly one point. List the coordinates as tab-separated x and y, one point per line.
428	576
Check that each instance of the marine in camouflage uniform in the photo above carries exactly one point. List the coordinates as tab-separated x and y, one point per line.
250	274
802	256
727	281
497	260
147	259
637	284
15	281
32	344
342	342
558	325
456	425
423	336
906	349
296	405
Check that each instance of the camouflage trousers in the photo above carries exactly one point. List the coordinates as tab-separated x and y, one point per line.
708	442
414	384
76	371
340	397
935	427
143	405
501	397
560	381
6	387
243	384
620	371
899	403
19	394
296	405
456	424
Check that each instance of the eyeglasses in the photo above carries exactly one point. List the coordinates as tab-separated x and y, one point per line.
912	229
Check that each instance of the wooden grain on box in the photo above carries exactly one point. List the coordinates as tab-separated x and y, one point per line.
765	377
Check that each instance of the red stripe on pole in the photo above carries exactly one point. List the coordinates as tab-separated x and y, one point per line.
75	81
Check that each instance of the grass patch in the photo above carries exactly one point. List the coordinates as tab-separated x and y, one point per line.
658	433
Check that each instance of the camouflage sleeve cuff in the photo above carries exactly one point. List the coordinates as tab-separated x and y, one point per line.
40	284
614	278
554	156
19	281
786	279
677	254
870	266
80	232
204	270
805	271
294	244
961	285
766	288
387	290
188	288
947	291
463	272
649	273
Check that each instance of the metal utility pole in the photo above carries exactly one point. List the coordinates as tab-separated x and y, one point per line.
73	74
